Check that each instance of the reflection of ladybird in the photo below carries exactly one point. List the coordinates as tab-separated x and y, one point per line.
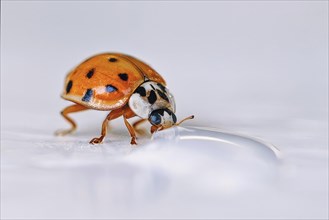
123	85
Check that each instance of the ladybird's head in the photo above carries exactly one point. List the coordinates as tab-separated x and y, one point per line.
153	101
164	118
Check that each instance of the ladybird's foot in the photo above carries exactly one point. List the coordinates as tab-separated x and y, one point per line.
153	129
96	140
133	141
64	132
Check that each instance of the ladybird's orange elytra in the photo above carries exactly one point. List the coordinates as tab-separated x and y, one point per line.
94	74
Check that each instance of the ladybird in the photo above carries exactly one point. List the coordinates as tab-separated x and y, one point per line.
123	85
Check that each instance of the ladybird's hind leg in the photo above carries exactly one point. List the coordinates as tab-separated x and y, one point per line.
112	115
64	113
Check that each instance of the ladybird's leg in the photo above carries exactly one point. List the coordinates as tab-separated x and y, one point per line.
129	114
65	112
131	131
154	129
112	115
137	123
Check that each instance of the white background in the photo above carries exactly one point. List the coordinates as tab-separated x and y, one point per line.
254	67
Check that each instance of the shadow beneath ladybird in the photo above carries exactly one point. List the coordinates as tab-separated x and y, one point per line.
113	132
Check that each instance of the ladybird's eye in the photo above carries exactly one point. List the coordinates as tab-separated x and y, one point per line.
155	119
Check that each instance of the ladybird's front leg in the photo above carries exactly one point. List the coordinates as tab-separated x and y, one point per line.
153	129
137	124
112	115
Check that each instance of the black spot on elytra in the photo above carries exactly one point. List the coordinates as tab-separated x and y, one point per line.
162	95
88	95
141	91
112	59
162	87
123	76
152	97
110	88
90	73
69	86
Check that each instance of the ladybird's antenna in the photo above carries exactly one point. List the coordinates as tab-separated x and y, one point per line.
187	118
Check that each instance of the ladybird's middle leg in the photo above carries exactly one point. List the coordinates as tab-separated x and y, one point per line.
112	115
131	131
129	114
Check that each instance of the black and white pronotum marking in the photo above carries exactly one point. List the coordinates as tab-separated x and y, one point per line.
154	102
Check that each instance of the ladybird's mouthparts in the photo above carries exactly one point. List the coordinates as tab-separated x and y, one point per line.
159	128
187	118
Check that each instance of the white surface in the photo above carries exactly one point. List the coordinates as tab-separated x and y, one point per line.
256	68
